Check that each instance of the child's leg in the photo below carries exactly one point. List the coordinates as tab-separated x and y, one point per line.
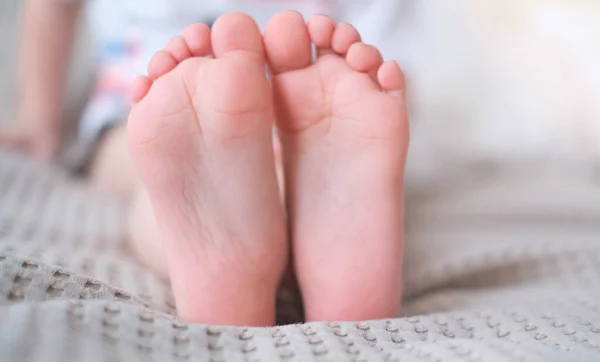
112	169
201	138
344	132
144	236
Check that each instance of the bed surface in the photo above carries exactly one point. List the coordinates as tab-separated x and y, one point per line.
70	291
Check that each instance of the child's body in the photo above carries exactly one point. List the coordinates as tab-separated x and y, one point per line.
217	199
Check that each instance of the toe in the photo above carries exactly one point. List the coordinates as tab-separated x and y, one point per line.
161	63
178	48
197	37
320	29
287	43
391	79
343	37
364	58
236	32
140	88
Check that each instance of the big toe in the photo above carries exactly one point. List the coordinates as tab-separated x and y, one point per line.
236	32
287	42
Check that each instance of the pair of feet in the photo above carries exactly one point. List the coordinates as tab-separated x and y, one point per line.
200	133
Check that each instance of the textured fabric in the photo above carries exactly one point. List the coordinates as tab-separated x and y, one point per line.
70	291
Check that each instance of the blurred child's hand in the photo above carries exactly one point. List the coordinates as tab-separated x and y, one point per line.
24	136
45	43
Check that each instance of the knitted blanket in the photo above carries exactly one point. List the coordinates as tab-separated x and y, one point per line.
71	291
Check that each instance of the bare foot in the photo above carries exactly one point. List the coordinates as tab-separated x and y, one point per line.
343	126
201	139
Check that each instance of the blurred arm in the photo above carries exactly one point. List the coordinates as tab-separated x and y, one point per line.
46	40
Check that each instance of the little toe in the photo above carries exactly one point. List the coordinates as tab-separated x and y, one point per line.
178	48
139	88
236	32
343	37
287	43
161	63
320	29
197	37
391	79
364	58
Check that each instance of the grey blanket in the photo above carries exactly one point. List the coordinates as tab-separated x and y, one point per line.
71	291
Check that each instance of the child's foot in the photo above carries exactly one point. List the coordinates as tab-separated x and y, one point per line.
343	125
201	139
